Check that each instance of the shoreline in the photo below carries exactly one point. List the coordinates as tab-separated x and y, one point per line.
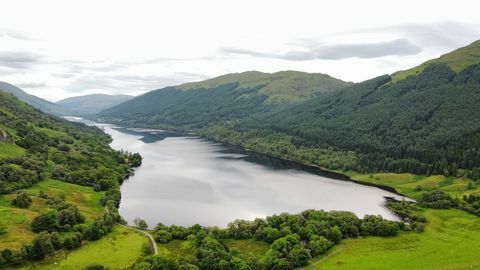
312	168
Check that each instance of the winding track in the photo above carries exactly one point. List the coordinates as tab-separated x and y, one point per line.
147	234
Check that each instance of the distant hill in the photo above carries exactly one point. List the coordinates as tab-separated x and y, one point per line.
36	102
92	104
228	97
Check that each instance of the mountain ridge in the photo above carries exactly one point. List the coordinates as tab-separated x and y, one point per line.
376	125
92	104
39	103
227	97
457	60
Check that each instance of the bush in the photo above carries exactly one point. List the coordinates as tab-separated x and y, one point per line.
438	199
22	200
140	223
162	236
319	245
47	221
41	247
286	253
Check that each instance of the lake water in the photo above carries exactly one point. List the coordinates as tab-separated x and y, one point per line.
188	180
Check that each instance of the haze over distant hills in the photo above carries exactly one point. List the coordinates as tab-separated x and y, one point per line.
92	104
74	106
41	104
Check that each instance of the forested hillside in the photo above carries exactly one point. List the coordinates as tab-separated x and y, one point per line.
228	97
56	180
424	124
424	120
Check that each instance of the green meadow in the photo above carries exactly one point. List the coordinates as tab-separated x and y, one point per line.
451	240
17	220
117	250
10	150
413	185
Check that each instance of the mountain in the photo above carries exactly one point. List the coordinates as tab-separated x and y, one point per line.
228	97
92	104
41	104
428	122
424	120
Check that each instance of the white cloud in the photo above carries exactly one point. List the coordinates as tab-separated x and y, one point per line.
60	48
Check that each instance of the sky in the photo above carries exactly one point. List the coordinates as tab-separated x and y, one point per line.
58	49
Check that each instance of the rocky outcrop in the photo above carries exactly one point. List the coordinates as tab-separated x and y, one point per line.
3	135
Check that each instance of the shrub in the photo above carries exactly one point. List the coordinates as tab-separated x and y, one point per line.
22	200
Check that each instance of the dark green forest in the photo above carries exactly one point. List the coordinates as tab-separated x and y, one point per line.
425	124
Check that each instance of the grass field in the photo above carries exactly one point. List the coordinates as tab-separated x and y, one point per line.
87	200
249	247
118	250
17	220
10	150
451	240
407	184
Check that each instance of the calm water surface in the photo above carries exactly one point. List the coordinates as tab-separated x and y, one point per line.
187	180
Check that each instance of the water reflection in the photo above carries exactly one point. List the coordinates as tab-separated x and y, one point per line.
188	180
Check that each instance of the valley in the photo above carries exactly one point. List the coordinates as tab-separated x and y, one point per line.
237	173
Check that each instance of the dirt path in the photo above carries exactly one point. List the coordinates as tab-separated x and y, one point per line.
148	235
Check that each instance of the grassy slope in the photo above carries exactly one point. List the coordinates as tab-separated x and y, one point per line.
407	183
18	220
10	150
456	60
280	87
451	240
118	250
87	200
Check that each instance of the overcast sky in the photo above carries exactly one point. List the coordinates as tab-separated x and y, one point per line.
57	49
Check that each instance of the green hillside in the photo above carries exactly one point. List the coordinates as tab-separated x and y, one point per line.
229	97
57	179
91	104
424	124
279	87
41	104
456	60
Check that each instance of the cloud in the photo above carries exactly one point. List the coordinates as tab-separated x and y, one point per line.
27	85
313	50
126	83
63	75
9	33
18	59
442	34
